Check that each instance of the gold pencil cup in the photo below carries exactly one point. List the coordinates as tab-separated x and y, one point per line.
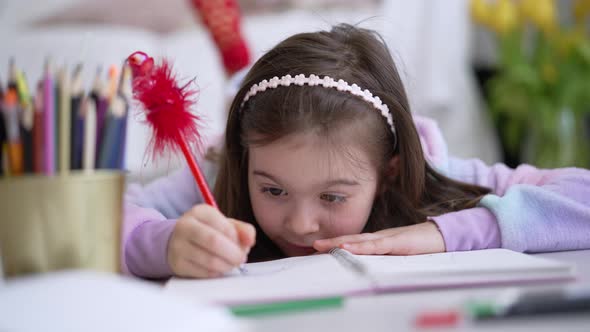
61	222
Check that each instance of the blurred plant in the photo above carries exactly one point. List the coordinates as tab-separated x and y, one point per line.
541	93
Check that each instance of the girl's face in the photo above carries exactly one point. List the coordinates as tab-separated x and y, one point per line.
303	190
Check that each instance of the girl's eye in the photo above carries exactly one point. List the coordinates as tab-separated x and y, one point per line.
331	198
274	191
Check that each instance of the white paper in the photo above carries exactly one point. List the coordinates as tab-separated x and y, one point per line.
323	275
88	301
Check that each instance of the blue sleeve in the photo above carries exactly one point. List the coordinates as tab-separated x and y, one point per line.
171	195
551	216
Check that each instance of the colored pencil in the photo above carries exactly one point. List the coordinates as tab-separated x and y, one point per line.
110	145
101	101
2	131
76	120
26	120
64	121
89	150
125	92
38	130
14	145
48	120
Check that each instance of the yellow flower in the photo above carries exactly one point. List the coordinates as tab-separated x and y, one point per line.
526	8
543	15
480	11
581	9
505	16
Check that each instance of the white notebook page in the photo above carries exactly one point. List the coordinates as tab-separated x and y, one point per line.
290	278
323	275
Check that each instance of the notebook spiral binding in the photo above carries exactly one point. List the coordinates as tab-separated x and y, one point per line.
346	259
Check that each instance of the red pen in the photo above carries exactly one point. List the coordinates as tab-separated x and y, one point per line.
167	107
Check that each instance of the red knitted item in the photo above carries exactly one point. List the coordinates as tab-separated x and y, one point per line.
222	18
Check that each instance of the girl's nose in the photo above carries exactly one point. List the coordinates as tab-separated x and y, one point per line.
302	220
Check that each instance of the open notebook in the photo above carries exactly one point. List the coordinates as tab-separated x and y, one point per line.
342	273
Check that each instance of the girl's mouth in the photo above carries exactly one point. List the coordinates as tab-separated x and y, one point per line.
299	250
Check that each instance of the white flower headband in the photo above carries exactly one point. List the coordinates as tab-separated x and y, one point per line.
326	82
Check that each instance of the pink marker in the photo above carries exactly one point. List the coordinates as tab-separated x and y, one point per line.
48	122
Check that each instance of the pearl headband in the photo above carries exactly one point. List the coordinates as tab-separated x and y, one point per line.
326	82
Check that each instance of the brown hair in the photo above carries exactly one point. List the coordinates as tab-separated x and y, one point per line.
357	56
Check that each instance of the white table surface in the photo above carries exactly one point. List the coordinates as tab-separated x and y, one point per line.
397	311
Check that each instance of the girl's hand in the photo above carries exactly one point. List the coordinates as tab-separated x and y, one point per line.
424	238
205	243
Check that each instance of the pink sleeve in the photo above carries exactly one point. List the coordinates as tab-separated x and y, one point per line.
134	217
149	217
525	200
470	229
146	252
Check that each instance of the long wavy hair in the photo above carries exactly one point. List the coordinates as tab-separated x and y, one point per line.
358	56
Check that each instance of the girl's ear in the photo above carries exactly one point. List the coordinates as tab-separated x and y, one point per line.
392	170
391	173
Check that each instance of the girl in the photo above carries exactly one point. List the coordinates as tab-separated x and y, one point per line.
321	150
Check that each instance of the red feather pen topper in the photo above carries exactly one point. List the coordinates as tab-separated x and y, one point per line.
167	107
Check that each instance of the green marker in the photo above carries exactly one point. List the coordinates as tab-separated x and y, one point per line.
481	310
263	309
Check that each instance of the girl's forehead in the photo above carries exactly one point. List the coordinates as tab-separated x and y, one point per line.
307	143
311	154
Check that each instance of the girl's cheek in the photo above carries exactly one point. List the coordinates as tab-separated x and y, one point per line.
345	225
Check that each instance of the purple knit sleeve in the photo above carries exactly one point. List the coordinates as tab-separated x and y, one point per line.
529	209
476	228
150	214
470	229
147	247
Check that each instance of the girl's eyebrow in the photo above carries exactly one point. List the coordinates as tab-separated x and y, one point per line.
344	182
330	183
266	175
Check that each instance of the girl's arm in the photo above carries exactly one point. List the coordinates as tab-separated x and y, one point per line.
170	195
529	209
150	213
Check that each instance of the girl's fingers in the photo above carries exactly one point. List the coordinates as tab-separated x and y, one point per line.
207	260
392	231
214	218
214	242
327	244
391	245
424	238
246	233
189	269
182	264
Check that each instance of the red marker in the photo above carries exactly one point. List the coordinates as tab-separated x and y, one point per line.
437	319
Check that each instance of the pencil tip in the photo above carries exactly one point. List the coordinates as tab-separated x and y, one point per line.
47	64
78	69
12	71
